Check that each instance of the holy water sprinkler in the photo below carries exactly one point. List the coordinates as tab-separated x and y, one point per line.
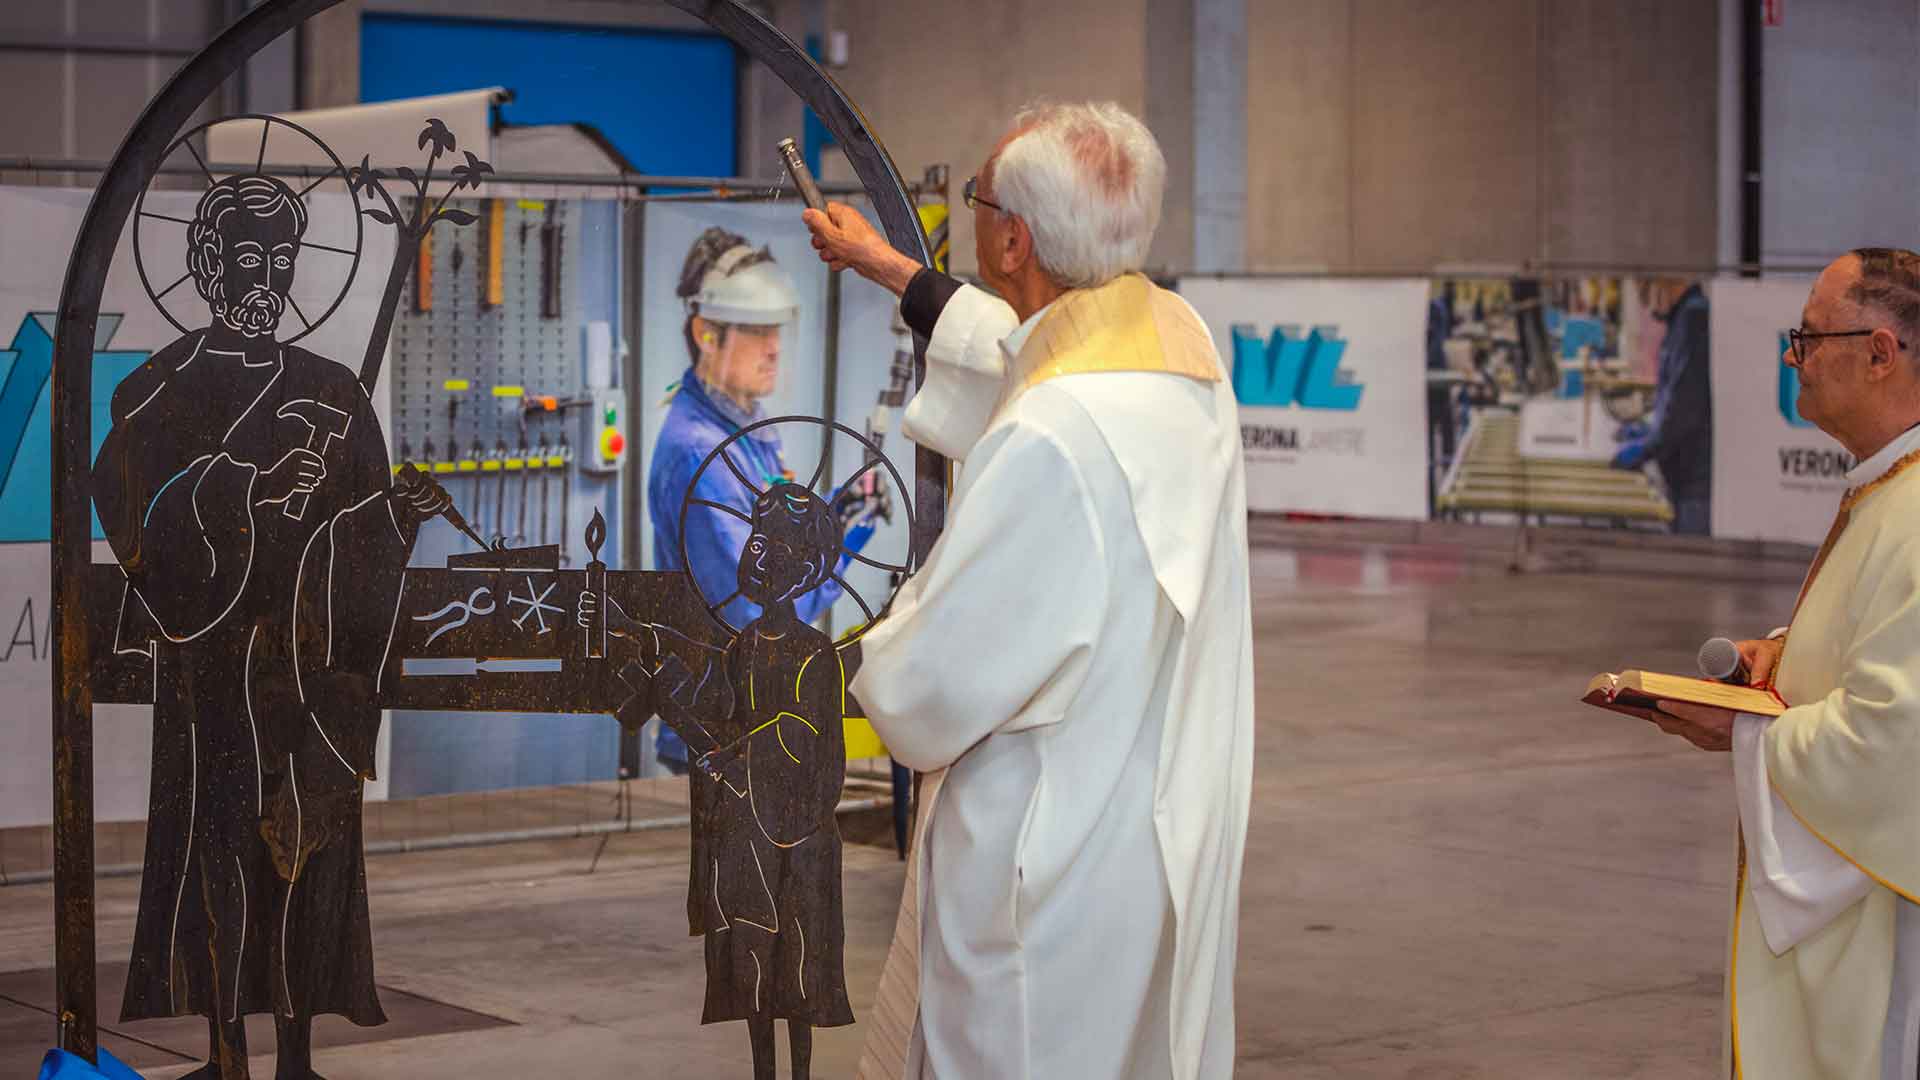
802	176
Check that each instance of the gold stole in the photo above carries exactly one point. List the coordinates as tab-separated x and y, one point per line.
1128	324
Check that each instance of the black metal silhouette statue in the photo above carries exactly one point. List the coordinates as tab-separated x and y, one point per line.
245	490
265	607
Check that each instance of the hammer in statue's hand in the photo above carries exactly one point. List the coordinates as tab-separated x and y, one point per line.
324	424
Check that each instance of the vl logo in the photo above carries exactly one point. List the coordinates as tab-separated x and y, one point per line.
1789	392
1287	369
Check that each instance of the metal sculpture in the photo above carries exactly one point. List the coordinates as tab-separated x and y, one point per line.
241	471
762	706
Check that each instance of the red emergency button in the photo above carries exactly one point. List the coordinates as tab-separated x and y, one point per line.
612	443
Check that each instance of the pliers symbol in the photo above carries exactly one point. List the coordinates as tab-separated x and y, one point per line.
468	609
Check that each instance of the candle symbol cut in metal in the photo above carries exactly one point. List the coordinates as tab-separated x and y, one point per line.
597	585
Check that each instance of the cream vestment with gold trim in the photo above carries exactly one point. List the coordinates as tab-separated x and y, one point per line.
1073	667
1825	975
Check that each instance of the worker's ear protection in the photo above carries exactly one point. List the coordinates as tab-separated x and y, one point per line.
708	338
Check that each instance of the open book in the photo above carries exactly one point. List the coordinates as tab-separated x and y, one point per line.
1635	692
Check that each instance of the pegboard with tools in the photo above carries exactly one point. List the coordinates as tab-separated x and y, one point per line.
503	375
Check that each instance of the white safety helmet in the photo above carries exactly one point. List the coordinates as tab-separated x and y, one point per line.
745	287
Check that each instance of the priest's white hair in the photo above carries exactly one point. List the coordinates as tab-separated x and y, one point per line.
1087	179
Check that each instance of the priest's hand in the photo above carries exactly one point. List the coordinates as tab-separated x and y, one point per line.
847	241
1708	727
1762	658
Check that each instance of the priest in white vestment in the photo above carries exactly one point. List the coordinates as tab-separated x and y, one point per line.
1073	665
1824	976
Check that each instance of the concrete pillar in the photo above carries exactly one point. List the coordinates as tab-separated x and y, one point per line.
769	111
330	57
1728	172
271	77
1169	114
1219	135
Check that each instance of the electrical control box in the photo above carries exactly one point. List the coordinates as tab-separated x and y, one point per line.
603	433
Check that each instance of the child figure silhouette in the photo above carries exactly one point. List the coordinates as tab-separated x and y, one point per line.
762	717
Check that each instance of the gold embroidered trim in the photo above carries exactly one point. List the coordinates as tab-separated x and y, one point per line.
1853	496
1733	959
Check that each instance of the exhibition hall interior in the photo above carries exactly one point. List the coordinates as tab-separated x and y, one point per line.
959	538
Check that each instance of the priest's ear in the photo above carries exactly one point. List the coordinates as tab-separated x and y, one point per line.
1886	353
1010	245
1019	243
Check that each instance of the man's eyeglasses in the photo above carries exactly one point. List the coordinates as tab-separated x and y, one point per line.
971	196
1799	338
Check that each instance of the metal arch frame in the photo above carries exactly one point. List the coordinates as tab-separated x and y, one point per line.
132	167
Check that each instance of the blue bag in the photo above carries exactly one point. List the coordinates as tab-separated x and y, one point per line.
60	1065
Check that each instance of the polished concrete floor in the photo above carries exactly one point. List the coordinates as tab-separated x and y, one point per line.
1453	870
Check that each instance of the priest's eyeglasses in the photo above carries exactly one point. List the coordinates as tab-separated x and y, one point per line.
1799	339
971	195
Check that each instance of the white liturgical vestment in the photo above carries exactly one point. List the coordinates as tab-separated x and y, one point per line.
1076	655
1825	978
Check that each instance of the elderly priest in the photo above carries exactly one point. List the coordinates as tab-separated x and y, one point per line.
1825	969
1074	662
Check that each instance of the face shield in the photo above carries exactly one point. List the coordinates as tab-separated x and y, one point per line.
752	307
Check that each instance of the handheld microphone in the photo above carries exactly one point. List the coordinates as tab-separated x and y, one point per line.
1720	659
802	176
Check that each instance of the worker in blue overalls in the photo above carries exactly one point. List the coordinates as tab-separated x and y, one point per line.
737	301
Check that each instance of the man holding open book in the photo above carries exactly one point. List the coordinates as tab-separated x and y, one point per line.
1825	968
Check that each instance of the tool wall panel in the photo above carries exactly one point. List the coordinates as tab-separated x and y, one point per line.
490	395
488	365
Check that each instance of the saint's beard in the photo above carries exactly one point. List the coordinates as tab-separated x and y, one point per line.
257	314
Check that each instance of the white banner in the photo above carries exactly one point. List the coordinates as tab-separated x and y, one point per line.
1775	476
122	734
1332	388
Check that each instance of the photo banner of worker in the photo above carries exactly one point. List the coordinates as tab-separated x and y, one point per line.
1332	402
736	296
1542	395
37	227
1776	476
733	330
